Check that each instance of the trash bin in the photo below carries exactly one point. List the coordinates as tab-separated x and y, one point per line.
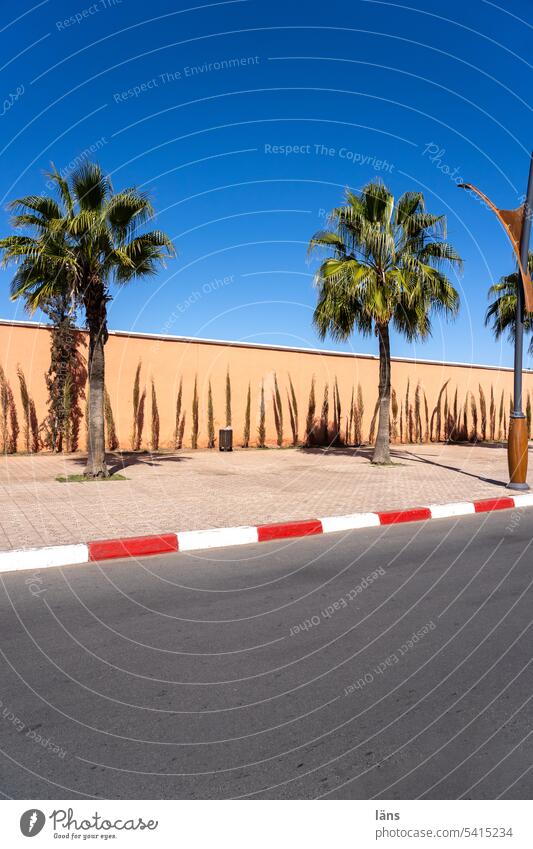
225	439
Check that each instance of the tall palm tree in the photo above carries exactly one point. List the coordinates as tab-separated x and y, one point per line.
386	267
79	244
501	313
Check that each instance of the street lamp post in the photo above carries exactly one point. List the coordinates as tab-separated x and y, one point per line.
517	224
518	426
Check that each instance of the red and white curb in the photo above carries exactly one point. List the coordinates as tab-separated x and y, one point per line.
69	555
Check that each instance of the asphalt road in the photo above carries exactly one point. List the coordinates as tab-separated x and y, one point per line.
277	670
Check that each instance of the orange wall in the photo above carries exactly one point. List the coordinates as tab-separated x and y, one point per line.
166	360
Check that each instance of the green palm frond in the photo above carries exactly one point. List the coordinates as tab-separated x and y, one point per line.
90	186
142	256
15	248
29	220
327	238
84	223
441	252
408	205
62	187
127	210
501	313
156	243
340	307
378	202
80	244
385	263
46	207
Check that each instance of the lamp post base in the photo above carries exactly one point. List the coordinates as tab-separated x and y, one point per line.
517	449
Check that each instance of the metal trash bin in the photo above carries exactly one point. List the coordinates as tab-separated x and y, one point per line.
225	439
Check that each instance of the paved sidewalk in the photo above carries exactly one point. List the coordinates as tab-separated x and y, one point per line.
208	489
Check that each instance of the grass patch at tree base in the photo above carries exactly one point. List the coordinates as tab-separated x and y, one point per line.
83	479
387	464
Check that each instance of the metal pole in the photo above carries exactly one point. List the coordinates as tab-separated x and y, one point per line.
524	257
518	429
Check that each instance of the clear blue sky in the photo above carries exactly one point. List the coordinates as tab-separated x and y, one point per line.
200	106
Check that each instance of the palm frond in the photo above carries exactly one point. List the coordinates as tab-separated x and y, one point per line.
326	239
501	313
141	256
90	186
386	263
441	252
378	202
62	187
127	210
77	246
408	205
45	207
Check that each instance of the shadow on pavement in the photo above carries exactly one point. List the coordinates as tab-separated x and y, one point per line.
118	461
403	455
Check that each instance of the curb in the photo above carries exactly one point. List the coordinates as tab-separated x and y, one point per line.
110	549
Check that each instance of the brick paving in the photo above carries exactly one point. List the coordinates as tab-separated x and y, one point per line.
193	490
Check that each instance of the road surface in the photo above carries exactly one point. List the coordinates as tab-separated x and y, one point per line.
388	663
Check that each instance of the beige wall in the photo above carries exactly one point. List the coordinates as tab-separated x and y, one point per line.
166	360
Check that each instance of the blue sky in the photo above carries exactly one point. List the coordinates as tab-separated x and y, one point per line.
246	120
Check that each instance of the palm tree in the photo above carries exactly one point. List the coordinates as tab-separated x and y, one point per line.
80	244
386	267
502	311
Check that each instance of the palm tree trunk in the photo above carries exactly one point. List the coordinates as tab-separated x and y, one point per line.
382	449
97	321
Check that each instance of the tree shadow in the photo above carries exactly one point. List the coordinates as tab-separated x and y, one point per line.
365	451
117	461
480	444
417	458
401	454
